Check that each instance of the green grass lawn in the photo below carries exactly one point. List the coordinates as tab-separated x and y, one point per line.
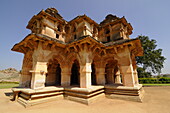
8	85
156	84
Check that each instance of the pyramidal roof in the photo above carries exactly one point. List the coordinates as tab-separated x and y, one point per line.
109	18
53	12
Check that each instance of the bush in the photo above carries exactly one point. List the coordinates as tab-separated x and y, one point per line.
161	80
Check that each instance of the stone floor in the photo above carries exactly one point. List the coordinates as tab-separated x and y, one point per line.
156	100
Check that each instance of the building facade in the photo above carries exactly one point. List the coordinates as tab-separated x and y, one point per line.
79	54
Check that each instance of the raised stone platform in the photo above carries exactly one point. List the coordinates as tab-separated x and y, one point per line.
29	97
118	91
84	95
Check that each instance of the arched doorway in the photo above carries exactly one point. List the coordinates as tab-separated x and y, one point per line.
109	72
106	73
93	74
58	75
112	73
75	74
53	76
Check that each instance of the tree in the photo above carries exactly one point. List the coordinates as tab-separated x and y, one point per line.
152	60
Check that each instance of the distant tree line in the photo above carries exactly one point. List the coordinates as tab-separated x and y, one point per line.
158	80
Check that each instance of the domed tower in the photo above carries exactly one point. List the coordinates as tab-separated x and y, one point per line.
113	28
82	26
49	23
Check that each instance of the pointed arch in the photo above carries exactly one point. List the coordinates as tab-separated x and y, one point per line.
53	76
75	73
71	58
93	74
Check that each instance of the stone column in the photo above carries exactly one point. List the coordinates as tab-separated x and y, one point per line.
85	75
127	75
25	76
135	73
65	76
117	77
38	75
100	75
126	68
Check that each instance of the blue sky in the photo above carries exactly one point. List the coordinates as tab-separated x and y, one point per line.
148	17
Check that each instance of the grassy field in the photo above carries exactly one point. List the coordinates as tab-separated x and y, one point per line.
156	84
8	85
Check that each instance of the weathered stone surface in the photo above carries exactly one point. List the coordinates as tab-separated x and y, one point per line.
78	53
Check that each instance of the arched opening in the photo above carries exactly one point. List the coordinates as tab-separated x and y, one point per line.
57	36
112	73
53	76
75	36
75	74
106	73
74	29
109	72
59	28
58	75
93	75
108	39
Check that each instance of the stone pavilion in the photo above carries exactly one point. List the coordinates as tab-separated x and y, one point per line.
78	60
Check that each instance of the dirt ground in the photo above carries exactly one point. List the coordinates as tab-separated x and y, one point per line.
156	100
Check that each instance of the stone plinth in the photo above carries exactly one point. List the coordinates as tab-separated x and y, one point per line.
84	95
30	97
118	91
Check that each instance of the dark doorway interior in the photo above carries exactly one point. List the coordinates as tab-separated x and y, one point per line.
53	76
93	75
106	75
58	75
108	38
75	75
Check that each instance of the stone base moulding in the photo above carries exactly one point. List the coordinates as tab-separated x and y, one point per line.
126	93
30	97
84	95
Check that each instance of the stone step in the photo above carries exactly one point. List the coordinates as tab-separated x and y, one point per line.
122	92
25	96
119	93
27	103
22	101
81	95
86	101
45	95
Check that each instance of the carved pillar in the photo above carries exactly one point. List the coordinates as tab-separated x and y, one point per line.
85	75
135	69
127	75
85	66
25	77
100	75
65	76
136	77
38	75
126	68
